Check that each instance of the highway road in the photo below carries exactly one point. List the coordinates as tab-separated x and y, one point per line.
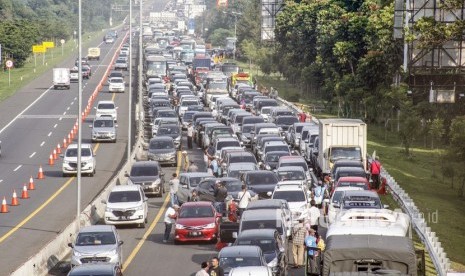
33	122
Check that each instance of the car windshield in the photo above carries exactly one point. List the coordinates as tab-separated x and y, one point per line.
266	111
106	106
262	224
291	175
237	173
267	246
116	80
103	123
261	178
242	158
144	171
303	165
247	128
167	114
274	157
124	196
188	103
290	196
167	130
286	120
161	145
194	181
361	185
337	197
284	148
223	144
95	238
231	262
188	116
196	212
74	151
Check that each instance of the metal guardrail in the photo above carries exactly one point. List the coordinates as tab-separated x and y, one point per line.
429	238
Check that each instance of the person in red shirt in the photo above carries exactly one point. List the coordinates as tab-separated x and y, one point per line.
302	117
375	170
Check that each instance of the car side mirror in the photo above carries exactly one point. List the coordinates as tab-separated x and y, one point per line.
269	193
95	107
162	173
282	250
184	186
326	200
234	235
116	125
146	199
70	245
62	156
120	242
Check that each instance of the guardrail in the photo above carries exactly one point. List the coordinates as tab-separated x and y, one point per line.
429	238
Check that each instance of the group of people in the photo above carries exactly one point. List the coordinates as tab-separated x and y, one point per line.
211	269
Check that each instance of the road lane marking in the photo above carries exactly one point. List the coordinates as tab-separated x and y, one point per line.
55	126
61	118
1	180
43	142
153	224
49	134
17	168
32	155
24	110
67	108
64	113
28	218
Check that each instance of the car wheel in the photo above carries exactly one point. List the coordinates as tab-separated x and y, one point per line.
141	225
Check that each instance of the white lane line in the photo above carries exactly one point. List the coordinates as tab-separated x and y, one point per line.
61	118
22	112
67	108
17	168
32	155
75	98
64	113
42	143
72	102
49	134
55	126
1	180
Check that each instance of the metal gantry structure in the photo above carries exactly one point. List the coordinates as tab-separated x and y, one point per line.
269	11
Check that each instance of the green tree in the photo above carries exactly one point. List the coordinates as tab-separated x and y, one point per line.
218	36
436	130
409	127
457	136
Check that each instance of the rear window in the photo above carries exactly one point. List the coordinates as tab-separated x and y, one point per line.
262	224
223	144
144	171
242	158
303	165
353	184
124	196
166	144
259	178
290	196
277	148
286	120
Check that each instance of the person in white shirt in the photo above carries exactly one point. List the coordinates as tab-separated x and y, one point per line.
190	133
215	114
170	219
314	215
244	198
203	270
174	186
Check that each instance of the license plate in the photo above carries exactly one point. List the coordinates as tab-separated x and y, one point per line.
123	218
195	234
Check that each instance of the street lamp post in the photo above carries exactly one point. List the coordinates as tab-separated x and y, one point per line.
130	83
235	14
79	121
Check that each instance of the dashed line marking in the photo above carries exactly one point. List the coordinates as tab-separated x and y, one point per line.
61	118
42	143
64	113
1	180
67	108
32	155
49	134
17	168
55	126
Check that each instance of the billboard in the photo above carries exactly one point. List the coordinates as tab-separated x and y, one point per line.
221	3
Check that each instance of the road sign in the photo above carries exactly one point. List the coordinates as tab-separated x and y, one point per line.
62	41
9	64
48	44
38	49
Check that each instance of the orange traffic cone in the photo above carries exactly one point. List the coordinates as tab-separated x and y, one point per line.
24	194
65	144
54	154
58	148
14	200
40	175
31	184
51	161
4	208
75	129
69	139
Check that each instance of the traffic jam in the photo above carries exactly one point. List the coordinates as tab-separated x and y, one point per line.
278	190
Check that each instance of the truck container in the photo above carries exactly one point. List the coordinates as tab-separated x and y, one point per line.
341	139
61	78
202	62
93	53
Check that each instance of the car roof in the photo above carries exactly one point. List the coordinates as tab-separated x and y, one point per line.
159	138
259	214
119	188
347	163
260	172
145	164
195	174
240	153
290	168
257	233
105	102
93	269
75	146
265	204
242	165
362	193
240	250
352	179
97	228
292	158
197	203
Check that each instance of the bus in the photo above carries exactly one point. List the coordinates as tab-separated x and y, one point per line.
156	66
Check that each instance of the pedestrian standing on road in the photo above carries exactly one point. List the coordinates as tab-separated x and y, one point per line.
220	196
190	133
174	186
302	117
185	161
215	114
244	198
375	170
214	166
215	268
298	238
314	215
170	219
203	270
193	167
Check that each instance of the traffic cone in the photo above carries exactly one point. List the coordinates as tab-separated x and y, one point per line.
75	129
4	208
54	154
51	161
31	184
65	144
14	199
24	194
40	175
58	148
69	139
71	134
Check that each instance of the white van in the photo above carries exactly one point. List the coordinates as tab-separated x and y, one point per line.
70	157
61	78
106	108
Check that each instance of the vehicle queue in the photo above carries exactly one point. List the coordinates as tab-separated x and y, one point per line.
260	194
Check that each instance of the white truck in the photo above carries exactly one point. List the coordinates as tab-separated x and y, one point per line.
61	78
341	139
93	53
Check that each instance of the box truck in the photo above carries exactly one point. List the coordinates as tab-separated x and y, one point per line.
93	53
341	139
61	78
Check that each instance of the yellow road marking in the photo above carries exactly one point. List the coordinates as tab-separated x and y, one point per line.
152	225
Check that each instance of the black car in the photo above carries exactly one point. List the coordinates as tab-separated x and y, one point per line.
270	162
149	176
271	244
206	188
260	182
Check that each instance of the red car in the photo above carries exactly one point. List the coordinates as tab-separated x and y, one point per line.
352	181
197	221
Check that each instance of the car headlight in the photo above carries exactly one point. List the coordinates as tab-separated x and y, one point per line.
140	207
77	253
178	139
179	226
65	162
112	253
210	225
108	210
156	182
268	167
273	263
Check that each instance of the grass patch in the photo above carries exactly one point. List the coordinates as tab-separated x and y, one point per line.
419	175
33	68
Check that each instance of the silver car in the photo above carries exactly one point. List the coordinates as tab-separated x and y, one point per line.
104	129
97	243
121	64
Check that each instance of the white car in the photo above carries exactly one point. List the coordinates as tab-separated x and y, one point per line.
106	108
296	195
334	202
116	84
126	204
70	157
